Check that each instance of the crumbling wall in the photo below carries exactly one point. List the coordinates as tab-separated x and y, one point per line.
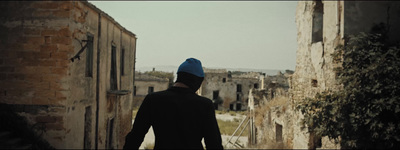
226	85
314	67
38	76
35	39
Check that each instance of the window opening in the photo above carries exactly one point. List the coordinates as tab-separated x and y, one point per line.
317	23
87	128
256	86
150	90
314	83
113	76
122	62
215	95
110	132
89	56
134	91
278	132
239	88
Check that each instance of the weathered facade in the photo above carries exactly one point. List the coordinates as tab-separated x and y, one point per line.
146	84
231	90
273	113
322	26
69	67
226	90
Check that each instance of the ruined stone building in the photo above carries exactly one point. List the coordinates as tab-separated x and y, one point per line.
230	90
146	84
226	90
68	67
322	26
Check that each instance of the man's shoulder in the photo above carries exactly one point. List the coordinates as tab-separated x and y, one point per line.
204	99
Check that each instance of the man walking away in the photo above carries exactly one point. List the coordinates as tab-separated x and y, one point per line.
180	118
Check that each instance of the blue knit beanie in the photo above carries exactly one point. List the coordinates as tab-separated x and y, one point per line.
192	66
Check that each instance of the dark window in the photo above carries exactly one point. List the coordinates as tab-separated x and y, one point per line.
89	56
87	128
239	88
110	132
134	91
278	132
150	90
122	62
317	24
113	76
238	97
314	83
223	80
256	86
215	95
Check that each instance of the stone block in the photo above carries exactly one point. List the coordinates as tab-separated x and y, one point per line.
60	56
33	40
65	5
49	32
52	78
46	4
65	48
47	39
58	101
32	46
31	31
45	93
62	40
41	14
40	100
61	14
46	62
59	71
48	48
63	63
55	126
49	119
64	32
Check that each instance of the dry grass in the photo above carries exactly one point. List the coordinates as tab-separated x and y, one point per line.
229	127
262	109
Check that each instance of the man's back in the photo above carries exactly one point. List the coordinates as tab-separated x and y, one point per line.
180	119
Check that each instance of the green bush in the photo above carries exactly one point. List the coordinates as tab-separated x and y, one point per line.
366	112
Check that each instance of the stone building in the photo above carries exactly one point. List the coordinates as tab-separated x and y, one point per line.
322	26
273	112
69	67
146	84
230	90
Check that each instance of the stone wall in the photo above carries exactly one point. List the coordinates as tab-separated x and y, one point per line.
322	26
226	85
38	40
142	84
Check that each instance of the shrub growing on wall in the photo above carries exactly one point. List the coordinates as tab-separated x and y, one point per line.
365	113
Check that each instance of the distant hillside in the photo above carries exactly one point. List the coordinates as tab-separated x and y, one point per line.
175	68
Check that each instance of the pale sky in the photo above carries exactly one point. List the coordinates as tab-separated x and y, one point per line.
225	34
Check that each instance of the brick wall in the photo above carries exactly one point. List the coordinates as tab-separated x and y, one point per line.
34	56
34	61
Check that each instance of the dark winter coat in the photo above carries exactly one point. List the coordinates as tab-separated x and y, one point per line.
180	119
